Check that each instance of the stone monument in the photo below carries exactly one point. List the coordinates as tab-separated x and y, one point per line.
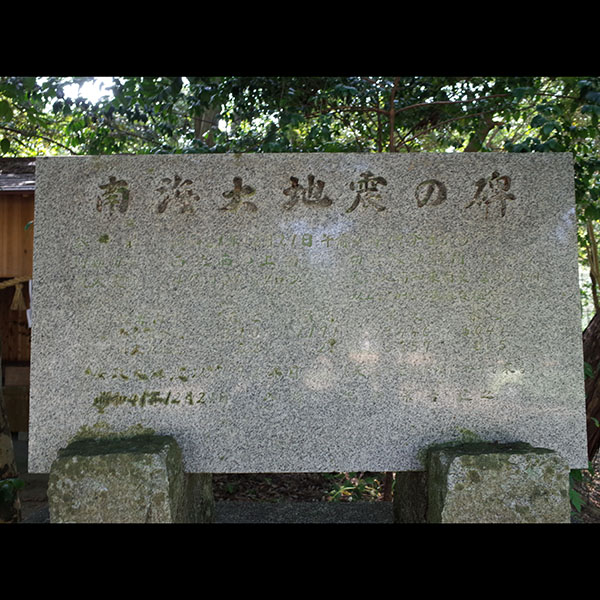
308	312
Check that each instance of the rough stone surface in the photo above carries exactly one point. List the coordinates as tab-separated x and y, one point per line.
254	513
304	512
272	322
503	483
136	479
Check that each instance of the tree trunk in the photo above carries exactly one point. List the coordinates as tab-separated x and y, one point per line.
204	124
477	139
10	503
591	356
592	253
388	486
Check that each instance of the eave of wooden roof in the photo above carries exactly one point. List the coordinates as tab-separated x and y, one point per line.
17	174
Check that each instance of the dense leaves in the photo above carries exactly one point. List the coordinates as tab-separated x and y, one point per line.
311	114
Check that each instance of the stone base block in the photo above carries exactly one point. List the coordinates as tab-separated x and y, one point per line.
497	483
138	479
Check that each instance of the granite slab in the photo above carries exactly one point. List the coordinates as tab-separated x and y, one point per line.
307	312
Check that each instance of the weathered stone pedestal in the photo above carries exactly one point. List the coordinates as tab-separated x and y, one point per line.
133	479
485	483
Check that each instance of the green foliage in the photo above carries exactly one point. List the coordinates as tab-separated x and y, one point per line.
579	478
260	114
9	488
566	120
576	499
350	487
300	114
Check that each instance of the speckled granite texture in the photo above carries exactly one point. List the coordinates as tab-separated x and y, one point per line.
497	483
118	480
307	312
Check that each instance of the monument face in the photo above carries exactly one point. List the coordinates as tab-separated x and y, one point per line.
308	312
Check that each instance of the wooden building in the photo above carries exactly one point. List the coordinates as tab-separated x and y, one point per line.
17	188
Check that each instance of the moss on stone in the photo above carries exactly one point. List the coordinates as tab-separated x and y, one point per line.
111	478
474	476
102	429
481	447
145	443
502	483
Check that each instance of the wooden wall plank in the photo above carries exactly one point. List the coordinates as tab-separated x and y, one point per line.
15	335
16	243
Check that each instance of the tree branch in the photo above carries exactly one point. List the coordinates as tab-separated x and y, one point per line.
439	102
37	135
441	123
128	133
373	82
481	132
389	113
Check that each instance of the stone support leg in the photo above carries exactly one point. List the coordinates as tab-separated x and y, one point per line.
485	483
137	479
